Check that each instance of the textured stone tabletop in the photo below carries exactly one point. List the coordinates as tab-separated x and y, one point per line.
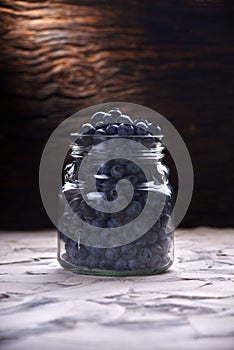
189	307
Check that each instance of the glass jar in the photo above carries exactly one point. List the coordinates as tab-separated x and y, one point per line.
136	236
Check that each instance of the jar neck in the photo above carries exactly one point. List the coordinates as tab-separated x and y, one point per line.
116	147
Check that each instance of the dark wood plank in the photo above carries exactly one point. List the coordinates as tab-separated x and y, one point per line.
60	56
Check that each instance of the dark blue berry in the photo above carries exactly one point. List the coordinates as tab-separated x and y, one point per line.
111	253
164	220
128	251
84	141
96	252
112	129
124	119
151	236
87	128
133	209
155	262
125	130
140	242
132	168
91	261
117	171
91	131
144	256
155	129
111	223
71	248
120	264
100	132
97	117
141	128
87	211
105	169
115	112
108	184
104	264
157	249
148	142
102	216
133	264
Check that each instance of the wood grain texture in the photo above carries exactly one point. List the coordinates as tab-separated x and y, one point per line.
189	307
58	57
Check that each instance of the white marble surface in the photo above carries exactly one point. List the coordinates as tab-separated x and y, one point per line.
189	307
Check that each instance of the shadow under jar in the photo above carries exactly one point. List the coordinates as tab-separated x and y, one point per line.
108	226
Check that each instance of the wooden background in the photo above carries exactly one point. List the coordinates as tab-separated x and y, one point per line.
60	56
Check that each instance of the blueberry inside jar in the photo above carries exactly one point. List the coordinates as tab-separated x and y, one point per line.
116	201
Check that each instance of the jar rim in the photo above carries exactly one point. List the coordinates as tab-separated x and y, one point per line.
76	134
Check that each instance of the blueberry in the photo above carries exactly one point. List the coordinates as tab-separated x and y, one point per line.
91	131
108	184
164	220
132	168
71	248
155	262
141	120
99	136
151	236
128	251
100	125
119	218
166	245
105	169
108	118
111	223
161	234
84	141
155	129
97	117
95	252
105	264
111	253
120	264
124	119
82	252
87	211
100	132
157	249
140	196
144	256
91	261
141	129
125	130
133	209
148	142
140	242
112	129
141	178
110	195
115	112
86	127
133	264
164	261
102	216
117	171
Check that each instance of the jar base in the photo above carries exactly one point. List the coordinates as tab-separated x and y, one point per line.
100	272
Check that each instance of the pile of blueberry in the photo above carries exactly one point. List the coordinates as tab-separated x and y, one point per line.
152	251
115	124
